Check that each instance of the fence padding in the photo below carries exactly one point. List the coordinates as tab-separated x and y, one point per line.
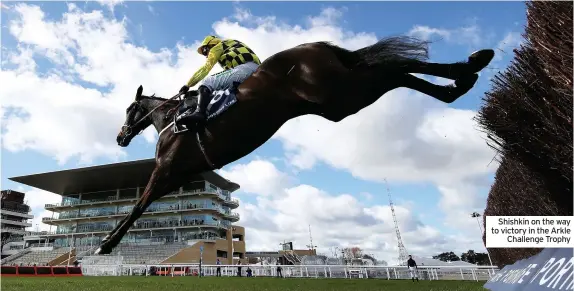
8	270
43	271
61	271
27	270
74	270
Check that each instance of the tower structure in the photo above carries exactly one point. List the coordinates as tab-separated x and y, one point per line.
311	246
402	250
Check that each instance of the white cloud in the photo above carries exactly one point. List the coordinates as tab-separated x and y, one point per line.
337	220
110	4
258	177
470	34
510	41
328	17
151	10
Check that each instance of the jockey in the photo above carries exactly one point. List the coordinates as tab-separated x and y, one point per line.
238	62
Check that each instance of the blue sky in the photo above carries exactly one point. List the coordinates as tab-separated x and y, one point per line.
430	199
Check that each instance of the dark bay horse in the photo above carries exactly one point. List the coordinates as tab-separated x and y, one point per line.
313	78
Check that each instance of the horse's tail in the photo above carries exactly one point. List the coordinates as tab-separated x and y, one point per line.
385	51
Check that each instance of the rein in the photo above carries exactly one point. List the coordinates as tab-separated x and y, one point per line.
151	111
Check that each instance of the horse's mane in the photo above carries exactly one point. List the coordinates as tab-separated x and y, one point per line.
153	97
170	106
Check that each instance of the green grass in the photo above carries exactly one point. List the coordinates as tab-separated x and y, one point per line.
226	284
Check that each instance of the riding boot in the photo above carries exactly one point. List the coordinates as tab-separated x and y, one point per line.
200	114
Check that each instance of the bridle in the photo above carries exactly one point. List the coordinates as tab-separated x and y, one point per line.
127	129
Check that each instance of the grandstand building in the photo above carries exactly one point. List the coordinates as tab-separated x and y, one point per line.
15	216
172	230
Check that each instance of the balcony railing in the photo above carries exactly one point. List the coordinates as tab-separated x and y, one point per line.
223	197
189	206
41	245
15	207
14	222
175	224
13	230
232	201
233	215
17	214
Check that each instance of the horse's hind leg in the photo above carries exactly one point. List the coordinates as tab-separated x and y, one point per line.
454	71
447	94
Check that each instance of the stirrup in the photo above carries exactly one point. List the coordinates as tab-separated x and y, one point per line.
177	127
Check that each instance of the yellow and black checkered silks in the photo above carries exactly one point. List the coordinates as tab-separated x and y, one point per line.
236	53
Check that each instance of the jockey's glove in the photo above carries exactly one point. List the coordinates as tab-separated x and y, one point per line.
183	89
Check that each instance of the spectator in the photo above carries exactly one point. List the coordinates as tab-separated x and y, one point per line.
238	268
279	269
413	268
218	270
249	272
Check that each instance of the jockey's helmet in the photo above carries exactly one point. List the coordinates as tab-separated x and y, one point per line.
207	42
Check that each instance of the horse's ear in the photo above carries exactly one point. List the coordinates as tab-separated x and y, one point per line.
139	93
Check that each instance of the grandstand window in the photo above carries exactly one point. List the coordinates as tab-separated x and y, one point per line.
69	214
125	209
61	242
195	203
163	206
211	187
100	211
71	200
88	240
128	193
197	185
194	217
109	195
64	228
95	226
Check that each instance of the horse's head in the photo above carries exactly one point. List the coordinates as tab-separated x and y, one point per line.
137	119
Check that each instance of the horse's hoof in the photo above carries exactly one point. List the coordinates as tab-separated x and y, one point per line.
480	59
466	82
102	251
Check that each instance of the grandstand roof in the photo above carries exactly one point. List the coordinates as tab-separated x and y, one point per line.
106	177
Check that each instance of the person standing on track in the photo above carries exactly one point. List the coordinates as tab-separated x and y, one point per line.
413	268
218	270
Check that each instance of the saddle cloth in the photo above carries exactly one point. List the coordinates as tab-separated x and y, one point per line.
220	102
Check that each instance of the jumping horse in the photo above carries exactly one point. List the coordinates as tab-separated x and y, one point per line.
313	78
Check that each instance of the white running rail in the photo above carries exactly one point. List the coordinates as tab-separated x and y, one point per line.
478	273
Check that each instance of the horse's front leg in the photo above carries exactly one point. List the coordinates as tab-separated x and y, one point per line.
162	182
111	233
